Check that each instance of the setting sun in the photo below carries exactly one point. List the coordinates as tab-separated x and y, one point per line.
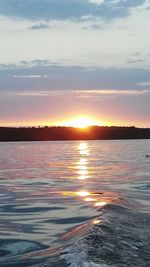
81	122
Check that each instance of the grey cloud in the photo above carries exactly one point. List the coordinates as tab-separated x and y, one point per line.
135	58
132	61
28	64
96	26
42	62
69	78
136	54
7	66
39	26
65	9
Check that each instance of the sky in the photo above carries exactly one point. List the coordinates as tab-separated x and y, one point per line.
62	59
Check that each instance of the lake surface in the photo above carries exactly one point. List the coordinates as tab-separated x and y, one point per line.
72	203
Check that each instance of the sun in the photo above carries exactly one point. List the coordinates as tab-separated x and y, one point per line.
80	122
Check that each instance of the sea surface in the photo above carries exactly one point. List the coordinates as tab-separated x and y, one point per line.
75	204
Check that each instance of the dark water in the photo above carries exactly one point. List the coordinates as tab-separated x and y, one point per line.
78	204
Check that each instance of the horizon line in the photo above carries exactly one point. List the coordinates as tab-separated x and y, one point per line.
81	128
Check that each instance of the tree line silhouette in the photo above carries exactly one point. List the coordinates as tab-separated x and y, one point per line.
70	133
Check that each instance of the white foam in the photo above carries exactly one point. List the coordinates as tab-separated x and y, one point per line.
76	256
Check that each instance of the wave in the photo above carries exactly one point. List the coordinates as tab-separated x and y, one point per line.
120	237
77	256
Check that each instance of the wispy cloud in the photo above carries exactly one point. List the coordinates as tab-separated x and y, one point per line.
97	2
29	76
146	83
59	78
99	94
113	92
136	58
39	26
133	61
33	93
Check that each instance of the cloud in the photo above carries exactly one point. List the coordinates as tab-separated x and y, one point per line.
114	92
147	83
132	61
36	76
136	58
28	64
32	93
136	54
66	9
29	76
80	93
97	2
39	26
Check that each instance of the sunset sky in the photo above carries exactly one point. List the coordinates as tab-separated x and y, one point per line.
64	59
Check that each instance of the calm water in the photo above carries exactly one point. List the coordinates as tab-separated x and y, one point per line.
75	203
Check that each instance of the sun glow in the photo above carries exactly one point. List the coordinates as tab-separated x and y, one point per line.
81	122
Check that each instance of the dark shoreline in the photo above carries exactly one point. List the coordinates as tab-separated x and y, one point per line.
13	134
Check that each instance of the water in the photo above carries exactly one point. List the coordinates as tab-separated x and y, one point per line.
78	204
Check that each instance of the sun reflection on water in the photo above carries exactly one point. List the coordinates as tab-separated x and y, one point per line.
82	161
83	193
83	172
89	199
100	204
82	164
83	148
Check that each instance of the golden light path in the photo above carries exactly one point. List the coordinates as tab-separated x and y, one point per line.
83	173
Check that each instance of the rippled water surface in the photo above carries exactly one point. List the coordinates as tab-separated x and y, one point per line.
53	193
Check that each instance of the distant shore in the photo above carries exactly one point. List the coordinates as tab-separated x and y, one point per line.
10	134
